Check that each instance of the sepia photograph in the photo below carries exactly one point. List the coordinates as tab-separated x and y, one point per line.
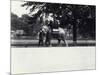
52	37
41	24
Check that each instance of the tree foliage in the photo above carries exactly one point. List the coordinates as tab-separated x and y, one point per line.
81	17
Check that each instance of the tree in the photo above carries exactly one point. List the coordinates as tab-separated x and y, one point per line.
78	16
15	22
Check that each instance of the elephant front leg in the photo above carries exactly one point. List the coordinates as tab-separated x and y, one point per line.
59	42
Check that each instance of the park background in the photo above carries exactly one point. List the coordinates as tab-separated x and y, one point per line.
77	20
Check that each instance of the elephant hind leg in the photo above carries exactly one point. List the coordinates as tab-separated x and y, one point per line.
66	43
63	37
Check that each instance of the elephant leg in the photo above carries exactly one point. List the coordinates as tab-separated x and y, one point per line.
46	43
65	42
64	39
59	41
40	43
49	42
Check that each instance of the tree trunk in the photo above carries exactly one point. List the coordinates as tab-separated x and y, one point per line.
74	32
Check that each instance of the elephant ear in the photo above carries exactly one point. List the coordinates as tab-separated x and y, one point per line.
61	30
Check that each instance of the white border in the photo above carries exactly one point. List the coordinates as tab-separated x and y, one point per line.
85	2
5	41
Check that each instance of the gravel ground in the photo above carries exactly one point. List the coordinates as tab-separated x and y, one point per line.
34	43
